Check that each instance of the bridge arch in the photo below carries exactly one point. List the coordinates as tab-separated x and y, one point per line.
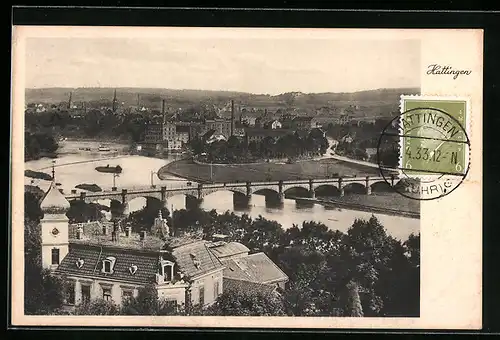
381	186
236	191
140	202
327	190
266	192
297	191
354	188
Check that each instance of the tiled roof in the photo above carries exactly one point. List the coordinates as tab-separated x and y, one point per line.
146	262
256	268
151	242
223	249
53	199
247	287
89	228
184	258
268	132
303	118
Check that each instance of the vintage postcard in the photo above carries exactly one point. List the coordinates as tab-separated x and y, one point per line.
206	177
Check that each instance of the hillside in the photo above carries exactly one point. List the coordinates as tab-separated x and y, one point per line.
383	99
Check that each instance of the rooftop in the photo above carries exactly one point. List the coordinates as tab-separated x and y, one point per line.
269	132
90	258
133	241
54	201
223	249
255	268
195	258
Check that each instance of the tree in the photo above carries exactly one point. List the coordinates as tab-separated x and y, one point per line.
32	209
353	307
43	292
236	303
263	234
146	302
97	307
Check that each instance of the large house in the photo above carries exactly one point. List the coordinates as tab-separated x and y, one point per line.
257	135
106	261
114	264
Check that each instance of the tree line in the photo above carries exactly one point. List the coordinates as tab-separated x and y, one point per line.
39	144
236	150
362	272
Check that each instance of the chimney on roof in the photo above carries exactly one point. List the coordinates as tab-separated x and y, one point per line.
79	232
116	231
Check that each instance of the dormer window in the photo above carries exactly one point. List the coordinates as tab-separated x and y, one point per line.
79	263
108	264
196	262
132	269
166	270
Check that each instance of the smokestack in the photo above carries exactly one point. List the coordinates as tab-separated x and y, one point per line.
114	101
232	117
163	106
138	100
69	100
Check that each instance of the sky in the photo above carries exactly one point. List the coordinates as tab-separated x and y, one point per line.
263	66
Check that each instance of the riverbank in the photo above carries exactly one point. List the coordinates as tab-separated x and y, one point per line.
219	173
387	203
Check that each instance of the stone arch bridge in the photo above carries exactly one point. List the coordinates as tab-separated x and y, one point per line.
275	190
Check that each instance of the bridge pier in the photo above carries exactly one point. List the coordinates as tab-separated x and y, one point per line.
242	202
193	203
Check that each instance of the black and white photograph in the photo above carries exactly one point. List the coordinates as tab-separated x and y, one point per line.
217	176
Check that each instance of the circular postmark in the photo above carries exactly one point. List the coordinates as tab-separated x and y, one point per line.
423	153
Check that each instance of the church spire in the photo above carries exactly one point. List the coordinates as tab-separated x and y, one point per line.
53	200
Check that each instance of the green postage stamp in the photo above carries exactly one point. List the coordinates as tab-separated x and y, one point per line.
433	136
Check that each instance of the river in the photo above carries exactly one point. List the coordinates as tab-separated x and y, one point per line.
74	166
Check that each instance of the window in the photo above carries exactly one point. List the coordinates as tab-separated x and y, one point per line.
55	256
108	264
106	293
216	289
85	293
167	272
127	294
70	294
202	295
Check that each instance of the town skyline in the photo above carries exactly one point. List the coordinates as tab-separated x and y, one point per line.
257	66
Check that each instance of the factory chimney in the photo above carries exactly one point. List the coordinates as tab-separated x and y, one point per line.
163	106
69	100
232	117
114	102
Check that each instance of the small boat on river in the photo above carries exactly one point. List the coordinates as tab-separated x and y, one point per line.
103	148
110	169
